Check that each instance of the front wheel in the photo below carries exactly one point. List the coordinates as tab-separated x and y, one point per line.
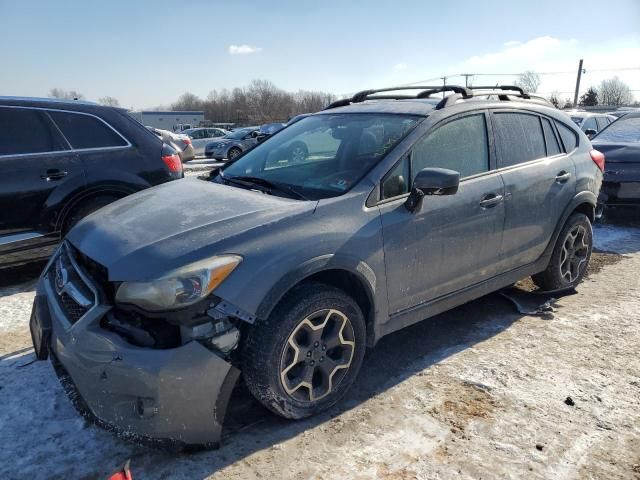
307	354
570	256
233	153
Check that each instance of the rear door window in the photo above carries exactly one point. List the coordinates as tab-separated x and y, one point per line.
459	145
553	147
519	138
24	131
568	137
86	131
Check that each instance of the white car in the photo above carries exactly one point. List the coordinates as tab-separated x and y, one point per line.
201	136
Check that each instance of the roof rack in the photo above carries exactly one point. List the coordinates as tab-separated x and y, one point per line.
503	92
425	92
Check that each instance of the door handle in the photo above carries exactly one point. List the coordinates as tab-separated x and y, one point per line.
53	174
491	200
563	177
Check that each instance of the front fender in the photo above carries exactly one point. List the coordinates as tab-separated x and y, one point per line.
360	269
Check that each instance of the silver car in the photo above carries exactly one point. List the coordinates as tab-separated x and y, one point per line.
201	136
232	144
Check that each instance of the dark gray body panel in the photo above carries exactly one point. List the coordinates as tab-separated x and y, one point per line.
410	266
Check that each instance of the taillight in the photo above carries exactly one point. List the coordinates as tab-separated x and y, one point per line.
598	158
173	162
187	141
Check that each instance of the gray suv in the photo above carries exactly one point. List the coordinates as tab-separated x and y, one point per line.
285	270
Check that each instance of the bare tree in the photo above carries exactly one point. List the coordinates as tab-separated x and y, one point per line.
614	92
260	102
187	101
109	101
529	81
65	95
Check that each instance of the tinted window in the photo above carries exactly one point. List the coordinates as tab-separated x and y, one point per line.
459	145
519	138
396	182
568	137
625	129
84	131
27	131
553	147
589	123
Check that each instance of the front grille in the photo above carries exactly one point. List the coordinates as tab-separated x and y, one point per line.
71	285
73	310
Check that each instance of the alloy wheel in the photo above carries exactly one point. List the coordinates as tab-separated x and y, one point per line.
298	154
317	355
575	251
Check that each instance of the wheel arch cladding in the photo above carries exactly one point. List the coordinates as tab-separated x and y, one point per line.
584	202
360	285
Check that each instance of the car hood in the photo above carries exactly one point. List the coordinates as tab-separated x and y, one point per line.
151	232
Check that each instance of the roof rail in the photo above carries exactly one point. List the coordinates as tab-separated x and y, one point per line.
503	92
425	92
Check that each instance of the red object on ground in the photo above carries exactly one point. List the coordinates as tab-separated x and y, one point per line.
123	474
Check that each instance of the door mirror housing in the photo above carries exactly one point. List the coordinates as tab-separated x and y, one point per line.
432	181
590	132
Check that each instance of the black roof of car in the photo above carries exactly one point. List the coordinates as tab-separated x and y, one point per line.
76	105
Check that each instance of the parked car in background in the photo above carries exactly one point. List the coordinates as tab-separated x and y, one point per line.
620	142
591	123
286	271
232	144
178	140
201	136
61	161
269	129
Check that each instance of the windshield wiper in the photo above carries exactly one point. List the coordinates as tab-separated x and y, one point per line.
269	185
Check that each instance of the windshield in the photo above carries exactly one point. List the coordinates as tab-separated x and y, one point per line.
239	134
323	155
625	129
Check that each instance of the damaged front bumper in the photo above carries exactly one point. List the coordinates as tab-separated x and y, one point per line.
177	395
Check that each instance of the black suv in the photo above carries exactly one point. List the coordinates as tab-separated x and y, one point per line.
62	160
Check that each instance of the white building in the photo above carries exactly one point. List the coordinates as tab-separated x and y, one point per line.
168	120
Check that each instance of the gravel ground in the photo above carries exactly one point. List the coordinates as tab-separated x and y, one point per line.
478	392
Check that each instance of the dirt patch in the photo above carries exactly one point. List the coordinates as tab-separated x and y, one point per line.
463	403
600	260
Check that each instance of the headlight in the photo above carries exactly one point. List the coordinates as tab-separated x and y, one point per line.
181	287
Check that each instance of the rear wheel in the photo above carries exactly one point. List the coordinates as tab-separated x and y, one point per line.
570	256
86	208
305	357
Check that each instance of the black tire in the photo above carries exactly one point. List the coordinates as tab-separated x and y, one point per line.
86	208
570	258
269	360
233	153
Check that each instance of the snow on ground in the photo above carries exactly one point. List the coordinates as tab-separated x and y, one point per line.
477	392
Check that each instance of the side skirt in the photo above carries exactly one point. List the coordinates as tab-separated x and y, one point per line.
429	309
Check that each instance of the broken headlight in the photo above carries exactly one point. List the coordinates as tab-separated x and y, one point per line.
181	287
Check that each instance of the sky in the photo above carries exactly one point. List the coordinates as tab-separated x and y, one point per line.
148	53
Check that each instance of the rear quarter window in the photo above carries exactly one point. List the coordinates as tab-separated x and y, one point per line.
85	131
568	136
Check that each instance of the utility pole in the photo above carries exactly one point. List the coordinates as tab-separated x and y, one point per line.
444	84
575	97
466	78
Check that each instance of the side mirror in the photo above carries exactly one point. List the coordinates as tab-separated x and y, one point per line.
591	132
254	134
432	181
